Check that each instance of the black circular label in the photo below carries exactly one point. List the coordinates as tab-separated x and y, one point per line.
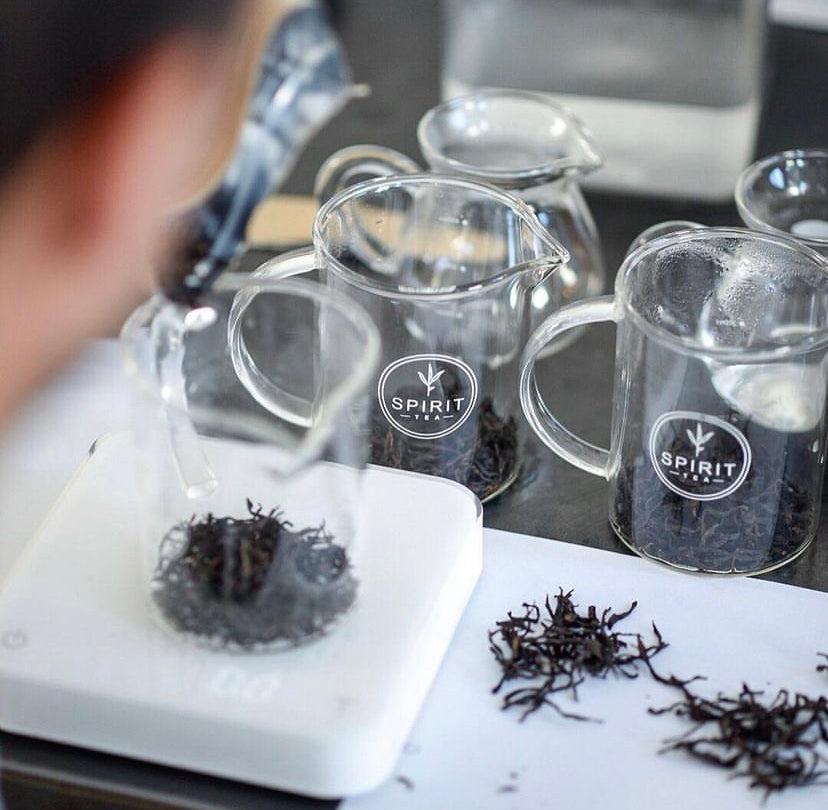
427	396
699	456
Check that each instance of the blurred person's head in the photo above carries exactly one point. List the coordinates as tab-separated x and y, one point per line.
110	112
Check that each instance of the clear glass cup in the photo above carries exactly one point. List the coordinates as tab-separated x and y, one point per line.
522	142
787	193
718	435
251	513
446	268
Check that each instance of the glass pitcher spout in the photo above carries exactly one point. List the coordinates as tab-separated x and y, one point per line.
550	264
476	136
533	273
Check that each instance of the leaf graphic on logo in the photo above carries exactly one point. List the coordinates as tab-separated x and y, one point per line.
430	381
699	439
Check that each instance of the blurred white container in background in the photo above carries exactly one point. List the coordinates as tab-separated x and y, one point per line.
671	89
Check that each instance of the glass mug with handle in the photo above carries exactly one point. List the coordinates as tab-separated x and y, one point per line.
718	433
251	518
446	268
519	141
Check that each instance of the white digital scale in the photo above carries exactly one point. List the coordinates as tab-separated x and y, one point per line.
82	662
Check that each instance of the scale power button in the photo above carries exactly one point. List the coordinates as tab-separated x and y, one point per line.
14	639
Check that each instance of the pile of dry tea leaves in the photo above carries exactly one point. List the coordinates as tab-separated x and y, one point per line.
483	454
776	744
556	648
244	583
769	523
773	744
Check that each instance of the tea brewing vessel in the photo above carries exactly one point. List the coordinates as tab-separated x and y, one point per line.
522	142
717	448
251	515
446	267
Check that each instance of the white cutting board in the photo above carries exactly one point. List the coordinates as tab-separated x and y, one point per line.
81	661
466	753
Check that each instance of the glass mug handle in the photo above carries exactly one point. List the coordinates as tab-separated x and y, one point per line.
313	417
272	398
552	433
355	163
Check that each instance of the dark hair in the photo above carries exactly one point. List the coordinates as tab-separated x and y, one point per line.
54	52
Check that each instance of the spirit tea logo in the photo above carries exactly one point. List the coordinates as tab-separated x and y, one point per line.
427	396
700	457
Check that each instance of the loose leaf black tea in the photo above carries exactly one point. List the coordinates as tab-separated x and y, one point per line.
769	522
709	487
823	667
249	582
775	745
431	419
557	648
482	454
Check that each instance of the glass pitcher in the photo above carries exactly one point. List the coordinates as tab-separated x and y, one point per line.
251	515
446	267
519	141
718	439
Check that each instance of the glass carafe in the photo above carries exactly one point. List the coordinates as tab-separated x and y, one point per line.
446	268
251	515
717	449
519	141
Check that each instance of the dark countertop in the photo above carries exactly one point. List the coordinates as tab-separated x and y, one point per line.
393	47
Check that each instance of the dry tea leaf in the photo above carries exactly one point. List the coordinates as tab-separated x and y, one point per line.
775	745
556	648
244	583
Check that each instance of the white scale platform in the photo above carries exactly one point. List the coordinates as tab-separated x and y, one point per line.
82	662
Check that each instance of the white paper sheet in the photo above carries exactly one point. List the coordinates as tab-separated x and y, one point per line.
465	752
